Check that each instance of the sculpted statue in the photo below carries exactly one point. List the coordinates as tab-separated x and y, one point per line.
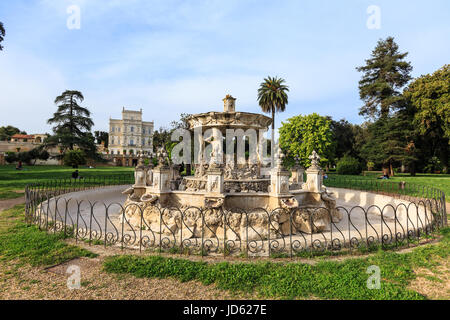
216	153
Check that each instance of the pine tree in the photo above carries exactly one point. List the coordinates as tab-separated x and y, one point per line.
391	142
384	75
72	124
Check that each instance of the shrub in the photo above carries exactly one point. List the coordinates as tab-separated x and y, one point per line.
74	158
11	157
348	165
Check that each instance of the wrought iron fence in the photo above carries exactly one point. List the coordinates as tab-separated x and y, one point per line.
409	191
305	230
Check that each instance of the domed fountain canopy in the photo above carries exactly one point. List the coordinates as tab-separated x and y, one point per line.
229	118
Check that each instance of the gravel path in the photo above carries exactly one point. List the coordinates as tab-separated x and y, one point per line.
36	283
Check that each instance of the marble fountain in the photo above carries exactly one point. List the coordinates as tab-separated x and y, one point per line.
236	201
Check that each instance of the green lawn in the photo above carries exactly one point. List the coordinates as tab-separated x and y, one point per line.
439	181
325	280
12	180
28	244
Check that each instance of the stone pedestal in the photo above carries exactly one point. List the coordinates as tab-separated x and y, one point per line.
215	196
161	180
215	184
314	175
140	178
314	180
297	175
279	182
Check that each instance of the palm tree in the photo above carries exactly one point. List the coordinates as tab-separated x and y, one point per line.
272	97
2	34
72	122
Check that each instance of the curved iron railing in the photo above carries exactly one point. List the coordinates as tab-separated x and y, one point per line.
258	232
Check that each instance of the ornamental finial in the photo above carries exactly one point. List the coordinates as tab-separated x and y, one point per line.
315	158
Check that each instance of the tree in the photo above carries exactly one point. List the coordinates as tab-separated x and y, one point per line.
74	158
343	138
272	97
300	135
34	155
72	124
429	95
384	74
361	136
161	138
7	132
183	123
2	35
102	136
390	142
348	165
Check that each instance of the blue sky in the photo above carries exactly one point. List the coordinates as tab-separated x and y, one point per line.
169	57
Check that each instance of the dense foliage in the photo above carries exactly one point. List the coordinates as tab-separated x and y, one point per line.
384	74
7	132
348	165
102	137
74	158
429	96
28	157
72	125
300	135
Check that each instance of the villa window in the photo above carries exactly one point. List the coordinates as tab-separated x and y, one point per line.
132	129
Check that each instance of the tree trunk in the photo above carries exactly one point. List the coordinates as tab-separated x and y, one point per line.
391	170
412	168
272	144
71	120
443	150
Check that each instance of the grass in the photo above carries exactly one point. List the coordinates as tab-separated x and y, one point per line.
325	279
12	180
439	181
28	244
